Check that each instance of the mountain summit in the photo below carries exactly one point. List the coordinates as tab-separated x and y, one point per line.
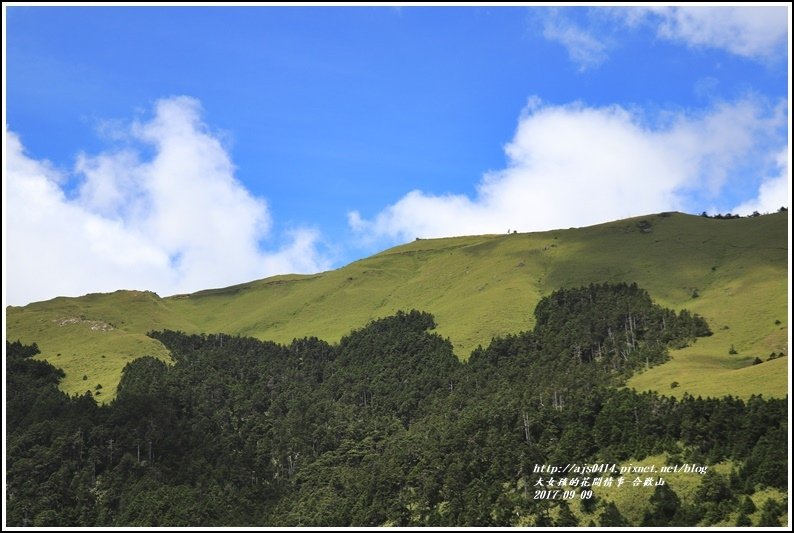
731	271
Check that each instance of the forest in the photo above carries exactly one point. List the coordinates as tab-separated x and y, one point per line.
388	427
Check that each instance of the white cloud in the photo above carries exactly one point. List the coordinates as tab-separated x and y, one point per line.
774	192
753	32
583	48
573	165
758	33
178	221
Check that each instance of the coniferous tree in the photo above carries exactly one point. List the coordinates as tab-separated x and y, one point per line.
611	517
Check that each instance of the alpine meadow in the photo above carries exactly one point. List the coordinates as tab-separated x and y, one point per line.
435	383
497	265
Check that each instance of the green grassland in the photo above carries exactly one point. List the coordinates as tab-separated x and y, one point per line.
632	501
733	272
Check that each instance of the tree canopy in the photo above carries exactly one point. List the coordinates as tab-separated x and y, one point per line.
387	427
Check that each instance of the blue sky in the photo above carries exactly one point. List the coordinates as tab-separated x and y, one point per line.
176	149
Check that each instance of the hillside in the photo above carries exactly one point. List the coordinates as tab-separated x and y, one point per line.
389	427
733	272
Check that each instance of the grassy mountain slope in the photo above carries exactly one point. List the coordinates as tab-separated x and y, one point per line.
733	272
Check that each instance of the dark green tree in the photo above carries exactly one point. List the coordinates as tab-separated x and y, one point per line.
714	497
743	520
664	505
748	506
565	518
611	517
770	514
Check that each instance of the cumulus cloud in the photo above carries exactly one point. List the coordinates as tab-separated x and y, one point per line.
573	165
748	31
175	221
774	192
583	48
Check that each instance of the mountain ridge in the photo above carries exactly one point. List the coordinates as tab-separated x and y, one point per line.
732	271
